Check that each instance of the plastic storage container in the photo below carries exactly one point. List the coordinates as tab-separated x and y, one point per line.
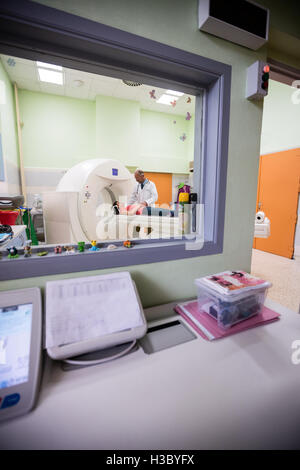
8	217
231	296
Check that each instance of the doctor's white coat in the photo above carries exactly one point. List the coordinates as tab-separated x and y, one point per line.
147	194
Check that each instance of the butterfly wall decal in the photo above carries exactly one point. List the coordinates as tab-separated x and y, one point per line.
188	116
173	103
152	94
183	137
189	100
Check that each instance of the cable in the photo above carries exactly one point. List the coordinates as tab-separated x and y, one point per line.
99	361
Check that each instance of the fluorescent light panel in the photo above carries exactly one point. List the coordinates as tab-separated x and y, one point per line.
51	76
48	66
166	99
176	93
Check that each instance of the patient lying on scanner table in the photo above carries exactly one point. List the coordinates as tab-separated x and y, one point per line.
140	209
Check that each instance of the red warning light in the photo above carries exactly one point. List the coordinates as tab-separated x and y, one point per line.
266	69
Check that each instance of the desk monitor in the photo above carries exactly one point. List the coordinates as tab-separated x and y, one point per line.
20	350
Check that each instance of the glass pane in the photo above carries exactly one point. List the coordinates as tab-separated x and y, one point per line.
105	159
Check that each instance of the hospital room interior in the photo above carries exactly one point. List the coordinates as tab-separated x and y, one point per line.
149	224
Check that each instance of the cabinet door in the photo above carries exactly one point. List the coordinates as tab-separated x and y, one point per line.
278	187
163	183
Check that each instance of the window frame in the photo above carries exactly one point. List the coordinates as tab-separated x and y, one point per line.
36	32
2	173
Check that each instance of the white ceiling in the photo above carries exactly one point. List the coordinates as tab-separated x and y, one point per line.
24	72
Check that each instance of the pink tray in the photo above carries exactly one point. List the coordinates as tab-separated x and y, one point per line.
208	328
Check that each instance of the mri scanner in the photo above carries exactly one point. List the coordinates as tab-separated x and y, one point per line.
80	209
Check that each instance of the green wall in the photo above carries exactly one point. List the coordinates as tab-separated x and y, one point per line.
8	127
118	129
174	22
281	119
141	138
161	146
57	131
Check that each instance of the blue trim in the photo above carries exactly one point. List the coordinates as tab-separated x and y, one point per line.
33	31
2	175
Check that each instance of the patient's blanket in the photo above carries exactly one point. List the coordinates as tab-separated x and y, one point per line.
136	209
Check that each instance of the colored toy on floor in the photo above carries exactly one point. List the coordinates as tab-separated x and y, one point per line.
94	246
12	252
27	249
127	244
42	253
69	250
81	246
58	250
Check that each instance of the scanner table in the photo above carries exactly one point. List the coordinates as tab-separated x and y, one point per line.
241	392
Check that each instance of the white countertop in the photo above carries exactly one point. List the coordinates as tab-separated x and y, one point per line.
240	392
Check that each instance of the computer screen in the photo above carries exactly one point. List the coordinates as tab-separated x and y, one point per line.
15	340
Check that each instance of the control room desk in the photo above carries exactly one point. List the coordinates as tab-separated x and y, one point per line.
239	392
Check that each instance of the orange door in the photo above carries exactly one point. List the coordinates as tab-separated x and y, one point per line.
277	197
163	183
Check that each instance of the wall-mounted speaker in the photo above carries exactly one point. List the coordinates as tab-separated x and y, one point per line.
239	21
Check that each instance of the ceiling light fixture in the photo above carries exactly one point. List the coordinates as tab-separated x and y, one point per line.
166	99
51	76
176	93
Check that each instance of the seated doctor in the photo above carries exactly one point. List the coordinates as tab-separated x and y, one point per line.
145	192
142	200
